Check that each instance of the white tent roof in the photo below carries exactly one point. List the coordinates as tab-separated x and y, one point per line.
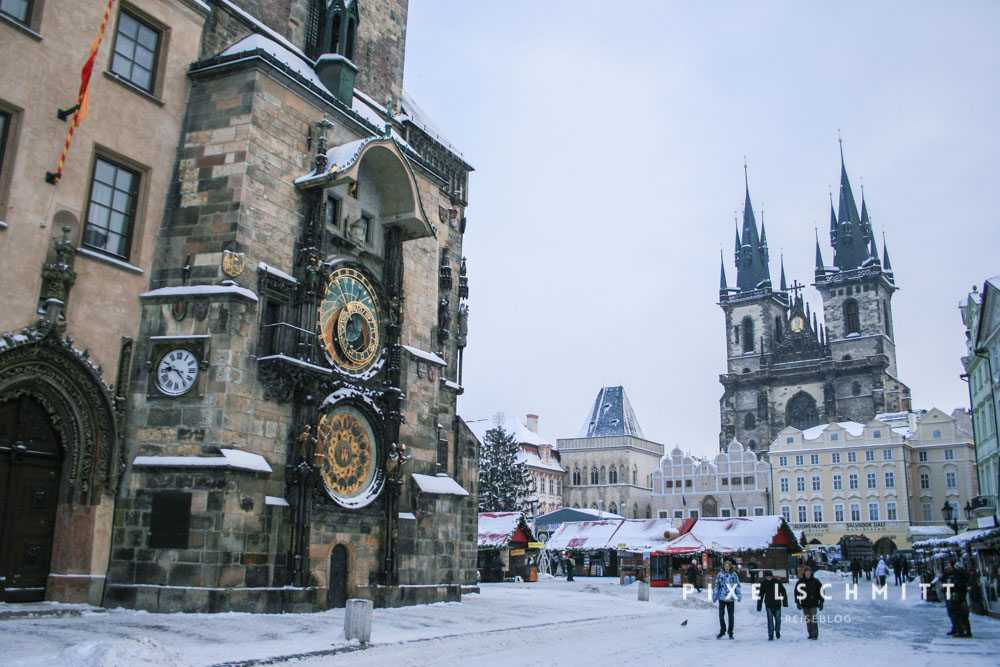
736	534
583	535
496	528
625	534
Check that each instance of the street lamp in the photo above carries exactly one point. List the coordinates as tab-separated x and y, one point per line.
948	512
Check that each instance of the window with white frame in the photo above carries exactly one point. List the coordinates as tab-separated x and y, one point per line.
838	482
786	513
790	440
817	485
951	479
877	433
835	457
782	461
834	437
817	514
800	459
802	514
886	454
814	459
873	512
758	511
852	457
838	512
936	433
852	481
890	479
872	480
800	483
927	511
855	511
925	480
869	455
741	511
922	457
890	511
678	514
949	455
783	482
725	512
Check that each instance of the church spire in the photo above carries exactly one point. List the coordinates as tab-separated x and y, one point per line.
723	288
820	268
784	285
751	264
886	266
851	246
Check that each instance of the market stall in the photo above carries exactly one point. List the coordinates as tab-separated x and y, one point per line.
505	547
979	551
610	547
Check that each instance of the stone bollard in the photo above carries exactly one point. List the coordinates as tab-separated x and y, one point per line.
358	620
644	591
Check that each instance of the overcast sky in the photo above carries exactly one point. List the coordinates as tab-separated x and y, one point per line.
608	142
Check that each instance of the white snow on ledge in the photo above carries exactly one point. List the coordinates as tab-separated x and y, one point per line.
422	355
200	290
231	458
275	501
267	268
439	484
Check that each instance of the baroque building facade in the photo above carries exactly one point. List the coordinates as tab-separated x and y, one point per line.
785	367
610	464
887	479
284	434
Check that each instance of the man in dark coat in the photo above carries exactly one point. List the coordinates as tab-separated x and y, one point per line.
897	569
855	570
956	601
809	598
568	567
772	598
692	574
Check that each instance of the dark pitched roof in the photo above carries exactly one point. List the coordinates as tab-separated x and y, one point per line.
611	415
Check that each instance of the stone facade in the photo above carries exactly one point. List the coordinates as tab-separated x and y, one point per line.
733	483
785	366
69	304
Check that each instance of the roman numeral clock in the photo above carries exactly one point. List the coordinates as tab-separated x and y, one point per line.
176	365
349	453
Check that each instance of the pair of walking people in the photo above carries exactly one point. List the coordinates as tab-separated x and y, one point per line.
808	593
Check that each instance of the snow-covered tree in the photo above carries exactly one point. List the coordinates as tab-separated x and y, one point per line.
503	480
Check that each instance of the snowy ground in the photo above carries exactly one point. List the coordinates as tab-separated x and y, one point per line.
586	622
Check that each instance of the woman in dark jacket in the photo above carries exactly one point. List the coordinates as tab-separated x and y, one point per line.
772	598
692	574
809	598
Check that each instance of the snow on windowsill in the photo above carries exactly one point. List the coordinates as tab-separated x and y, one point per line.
107	259
422	355
439	484
200	290
267	268
231	458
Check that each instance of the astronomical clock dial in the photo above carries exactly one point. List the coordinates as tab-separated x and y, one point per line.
347	457
177	372
797	324
350	321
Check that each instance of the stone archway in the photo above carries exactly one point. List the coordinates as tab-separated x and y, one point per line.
884	546
60	429
336	592
801	411
709	506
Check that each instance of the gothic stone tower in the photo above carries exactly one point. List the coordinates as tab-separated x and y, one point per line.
787	369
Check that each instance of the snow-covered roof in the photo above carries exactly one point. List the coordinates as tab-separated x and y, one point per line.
276	501
496	528
959	540
691	543
231	458
583	535
533	460
611	415
424	355
439	484
200	290
854	428
736	533
267	268
644	534
293	59
512	425
412	112
924	531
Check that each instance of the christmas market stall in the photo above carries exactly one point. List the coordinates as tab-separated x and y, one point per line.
979	551
636	537
507	548
586	543
753	544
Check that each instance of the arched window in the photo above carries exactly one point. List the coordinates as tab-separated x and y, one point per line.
856	389
747	334
351	29
604	479
576	477
801	411
777	329
623	476
612	475
593	475
749	421
753	445
613	508
851	322
649	512
635	511
888	321
635	476
594	506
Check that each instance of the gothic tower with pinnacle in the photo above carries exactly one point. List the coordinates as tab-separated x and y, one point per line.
785	367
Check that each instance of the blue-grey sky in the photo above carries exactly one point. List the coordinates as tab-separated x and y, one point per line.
608	141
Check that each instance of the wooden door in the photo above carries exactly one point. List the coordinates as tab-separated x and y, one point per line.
336	593
30	464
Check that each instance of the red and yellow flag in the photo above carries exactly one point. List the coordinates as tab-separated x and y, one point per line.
83	97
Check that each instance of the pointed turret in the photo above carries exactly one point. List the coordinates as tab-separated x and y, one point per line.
886	265
751	266
851	246
723	288
866	223
833	224
872	252
784	285
611	415
820	268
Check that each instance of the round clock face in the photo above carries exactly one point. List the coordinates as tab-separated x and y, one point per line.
797	324
177	372
350	319
347	457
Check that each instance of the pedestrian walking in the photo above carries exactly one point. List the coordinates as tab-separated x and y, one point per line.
772	599
809	598
881	571
956	600
727	594
692	574
906	570
855	570
568	566
868	569
897	569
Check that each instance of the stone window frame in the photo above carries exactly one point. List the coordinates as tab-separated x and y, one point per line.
838	512
800	484
155	88
922	457
748	335
871	479
874	512
887	455
782	461
951	479
838	482
927	511
786	513
8	140
889	479
925	480
817	483
814	459
800	459
835	457
853	481
852	317
137	197
891	512
802	512
949	454
855	510
817	514
32	21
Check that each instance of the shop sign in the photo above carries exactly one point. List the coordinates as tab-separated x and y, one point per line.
517	552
